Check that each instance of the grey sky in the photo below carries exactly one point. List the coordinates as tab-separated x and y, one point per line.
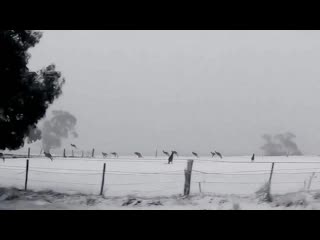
187	90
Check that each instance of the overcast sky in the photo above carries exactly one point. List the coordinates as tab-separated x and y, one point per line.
187	90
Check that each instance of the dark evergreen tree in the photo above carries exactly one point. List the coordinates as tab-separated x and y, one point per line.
25	95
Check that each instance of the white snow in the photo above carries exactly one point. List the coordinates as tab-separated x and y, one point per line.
228	183
13	199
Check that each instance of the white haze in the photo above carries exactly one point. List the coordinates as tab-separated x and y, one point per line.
187	90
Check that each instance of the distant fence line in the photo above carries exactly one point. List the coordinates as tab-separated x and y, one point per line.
90	155
77	153
188	172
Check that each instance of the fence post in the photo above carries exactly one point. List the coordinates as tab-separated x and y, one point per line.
27	173
92	153
156	153
103	175
269	183
310	180
28	153
200	187
187	174
72	153
82	154
64	153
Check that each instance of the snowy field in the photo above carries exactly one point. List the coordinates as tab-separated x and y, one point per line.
154	177
151	177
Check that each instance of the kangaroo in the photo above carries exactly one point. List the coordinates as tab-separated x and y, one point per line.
138	154
219	154
170	159
115	154
166	153
73	145
213	154
195	154
48	155
105	155
175	153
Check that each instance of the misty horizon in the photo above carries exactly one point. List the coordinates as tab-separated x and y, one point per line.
189	91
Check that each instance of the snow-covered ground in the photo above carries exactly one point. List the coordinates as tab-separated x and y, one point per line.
216	183
14	199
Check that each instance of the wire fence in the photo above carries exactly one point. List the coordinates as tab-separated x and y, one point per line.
208	175
122	182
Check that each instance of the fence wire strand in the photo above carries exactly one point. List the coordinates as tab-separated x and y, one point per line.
98	172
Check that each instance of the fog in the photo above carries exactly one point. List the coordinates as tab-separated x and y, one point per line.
189	91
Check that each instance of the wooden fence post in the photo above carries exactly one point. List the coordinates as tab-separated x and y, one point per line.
72	153
103	175
310	181
64	153
82	154
27	173
92	155
28	153
200	187
269	183
187	175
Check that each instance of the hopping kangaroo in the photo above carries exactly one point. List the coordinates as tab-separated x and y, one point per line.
115	154
170	159
175	152
139	155
48	155
73	145
166	153
195	154
219	154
